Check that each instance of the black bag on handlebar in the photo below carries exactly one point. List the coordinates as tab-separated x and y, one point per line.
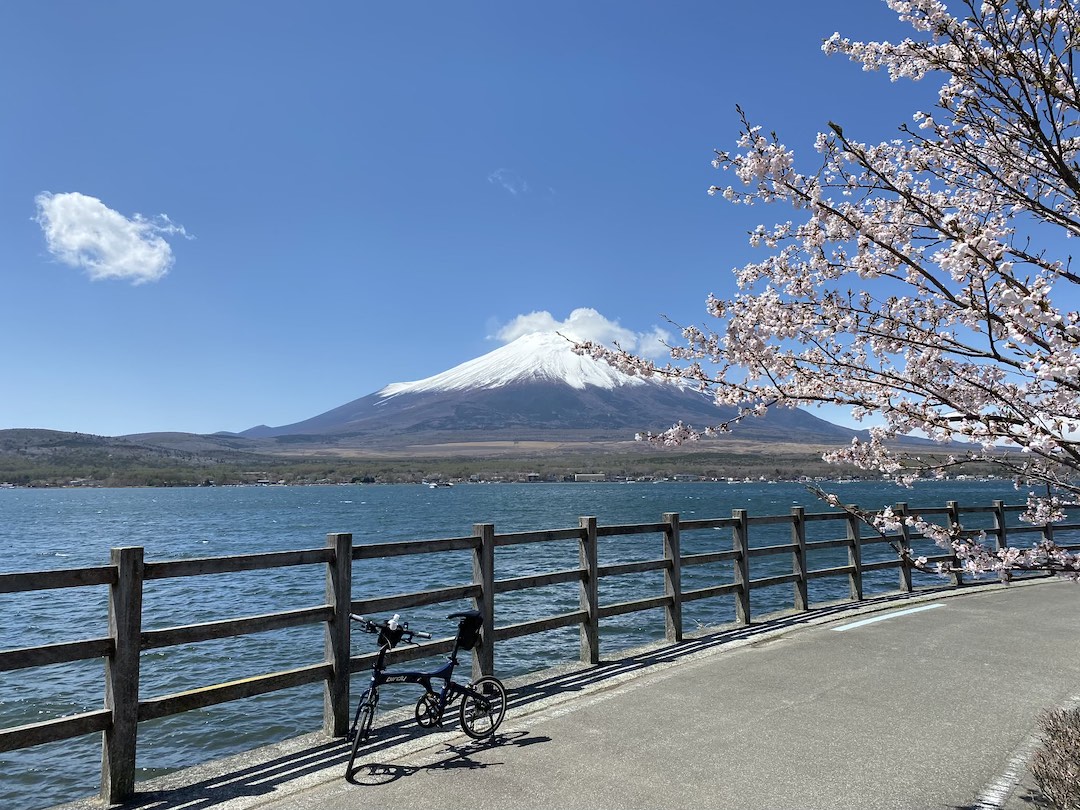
389	638
468	632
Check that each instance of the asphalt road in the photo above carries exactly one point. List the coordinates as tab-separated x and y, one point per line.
933	705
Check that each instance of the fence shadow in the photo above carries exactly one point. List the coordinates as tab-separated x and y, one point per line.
587	676
266	776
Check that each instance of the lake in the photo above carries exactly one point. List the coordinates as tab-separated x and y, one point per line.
45	529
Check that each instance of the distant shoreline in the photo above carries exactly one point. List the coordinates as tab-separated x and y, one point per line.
42	458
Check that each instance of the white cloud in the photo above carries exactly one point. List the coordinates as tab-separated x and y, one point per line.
586	323
83	232
509	180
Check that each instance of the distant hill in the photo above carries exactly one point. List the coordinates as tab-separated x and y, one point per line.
53	458
56	445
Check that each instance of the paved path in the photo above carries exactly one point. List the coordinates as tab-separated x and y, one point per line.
931	706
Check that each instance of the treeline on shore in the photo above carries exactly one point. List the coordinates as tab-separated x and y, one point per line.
132	473
395	471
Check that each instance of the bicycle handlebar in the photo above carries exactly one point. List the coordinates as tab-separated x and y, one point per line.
369	626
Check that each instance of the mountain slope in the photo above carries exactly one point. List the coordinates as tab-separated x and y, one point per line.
534	388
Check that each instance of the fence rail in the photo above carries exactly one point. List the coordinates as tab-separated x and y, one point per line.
120	649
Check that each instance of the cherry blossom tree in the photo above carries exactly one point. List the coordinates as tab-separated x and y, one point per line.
924	281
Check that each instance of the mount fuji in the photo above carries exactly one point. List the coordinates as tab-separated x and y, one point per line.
535	388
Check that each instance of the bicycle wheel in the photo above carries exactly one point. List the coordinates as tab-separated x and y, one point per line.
481	714
365	717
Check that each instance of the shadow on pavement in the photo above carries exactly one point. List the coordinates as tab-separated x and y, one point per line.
373	774
584	677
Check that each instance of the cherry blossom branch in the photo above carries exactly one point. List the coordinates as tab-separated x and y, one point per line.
973	556
907	287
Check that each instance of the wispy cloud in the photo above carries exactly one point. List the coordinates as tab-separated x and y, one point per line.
510	180
84	233
585	323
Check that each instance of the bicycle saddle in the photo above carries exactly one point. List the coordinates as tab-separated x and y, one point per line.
465	614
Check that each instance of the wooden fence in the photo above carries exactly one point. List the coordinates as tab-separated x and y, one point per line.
121	646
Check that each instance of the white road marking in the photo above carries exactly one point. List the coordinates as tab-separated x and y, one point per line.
882	618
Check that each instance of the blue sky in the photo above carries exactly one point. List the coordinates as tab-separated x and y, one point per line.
303	202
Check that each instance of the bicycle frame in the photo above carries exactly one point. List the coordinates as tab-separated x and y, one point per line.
446	696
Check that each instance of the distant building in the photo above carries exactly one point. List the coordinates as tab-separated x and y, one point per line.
590	477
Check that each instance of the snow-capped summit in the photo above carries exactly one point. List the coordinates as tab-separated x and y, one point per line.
539	357
534	388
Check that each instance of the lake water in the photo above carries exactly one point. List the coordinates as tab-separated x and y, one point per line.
71	528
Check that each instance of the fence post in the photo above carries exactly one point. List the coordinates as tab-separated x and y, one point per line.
999	525
954	520
673	627
1048	532
798	557
901	512
589	592
122	676
338	635
484	576
740	541
854	547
